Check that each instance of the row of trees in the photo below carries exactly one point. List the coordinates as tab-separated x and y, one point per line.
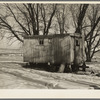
35	19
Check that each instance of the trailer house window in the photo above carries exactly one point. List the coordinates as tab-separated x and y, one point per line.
41	41
77	43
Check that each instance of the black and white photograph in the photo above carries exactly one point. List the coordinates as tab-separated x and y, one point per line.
50	46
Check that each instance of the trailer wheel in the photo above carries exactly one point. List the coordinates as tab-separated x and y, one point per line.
68	69
75	68
52	68
84	67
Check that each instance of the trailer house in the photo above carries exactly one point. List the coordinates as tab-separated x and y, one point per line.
56	49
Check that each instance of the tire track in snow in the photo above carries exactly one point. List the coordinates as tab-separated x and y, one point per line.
44	83
48	84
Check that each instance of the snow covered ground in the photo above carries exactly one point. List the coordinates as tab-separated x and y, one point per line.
14	76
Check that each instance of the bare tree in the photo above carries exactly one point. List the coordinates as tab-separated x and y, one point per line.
87	21
82	12
61	17
27	19
47	17
6	26
92	31
78	12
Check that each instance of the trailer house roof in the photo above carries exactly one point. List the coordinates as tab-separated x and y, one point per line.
51	36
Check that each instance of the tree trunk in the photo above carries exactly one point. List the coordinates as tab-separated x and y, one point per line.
88	59
82	12
88	53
